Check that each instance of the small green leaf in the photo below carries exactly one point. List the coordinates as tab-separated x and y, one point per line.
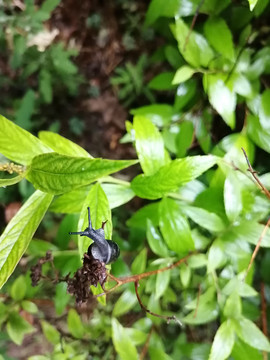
162	282
251	334
26	109
18	144
50	332
223	342
205	313
233	306
178	172
11	181
56	174
17	327
19	232
117	194
100	212
155	240
252	4
184	138
61	145
175	227
138	337
149	145
122	342
216	255
159	8
197	261
75	325
139	264
98	290
70	202
162	81
220	37
204	218
30	307
126	302
264	111
139	218
257	133
159	114
185	275
183	74
232	197
45	85
18	288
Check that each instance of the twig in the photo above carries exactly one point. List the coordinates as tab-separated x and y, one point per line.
264	316
143	307
198	300
193	23
254	174
136	278
146	345
257	247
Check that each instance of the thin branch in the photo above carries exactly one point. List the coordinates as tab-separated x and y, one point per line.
257	247
254	174
146	345
193	23
136	278
143	307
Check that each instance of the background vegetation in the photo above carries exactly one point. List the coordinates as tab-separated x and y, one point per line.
191	79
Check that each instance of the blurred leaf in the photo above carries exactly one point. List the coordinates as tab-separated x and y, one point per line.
45	86
223	342
18	288
257	133
243	289
75	325
185	275
175	227
216	255
137	337
50	332
30	307
242	351
232	196
251	334
205	313
185	94
61	145
197	261
56	174
183	74
184	138
155	240
149	145
18	144
17	327
19	232
162	81
25	111
233	306
159	114
122	342
117	194
159	8
220	37
252	4
11	181
264	111
162	282
171	176
61	298
125	302
139	264
204	218
139	218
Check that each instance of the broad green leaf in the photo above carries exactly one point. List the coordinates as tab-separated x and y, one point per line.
70	202
204	218
30	307
139	264
162	81
223	342
251	334
264	111
233	306
216	255
155	240
159	8
11	181
185	275
242	351
184	138
197	261
251	231
221	98
61	145
19	232
75	325
100	212
182	74
159	114
56	174
232	196
149	145
125	303
18	288
193	46
117	194
18	144
175	227
220	37
17	327
162	282
243	289
122	342
257	133
171	176
252	4
50	332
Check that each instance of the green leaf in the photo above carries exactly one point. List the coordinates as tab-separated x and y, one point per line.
197	261
252	4
100	212
205	313
257	133
75	325
122	342
62	145
223	342
56	174
220	37
70	202
18	288
45	85
125	303
139	264
184	138
193	46
233	306
137	337
17	327
232	196
175	227
159	114
18	144
264	111
183	74
50	332
155	240
243	289
162	282
30	307
251	334
26	109
139	218
19	232
149	145
221	98
117	194
178	172
185	275
11	181
216	255
98	290
204	218
162	81
251	231
242	351
159	8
